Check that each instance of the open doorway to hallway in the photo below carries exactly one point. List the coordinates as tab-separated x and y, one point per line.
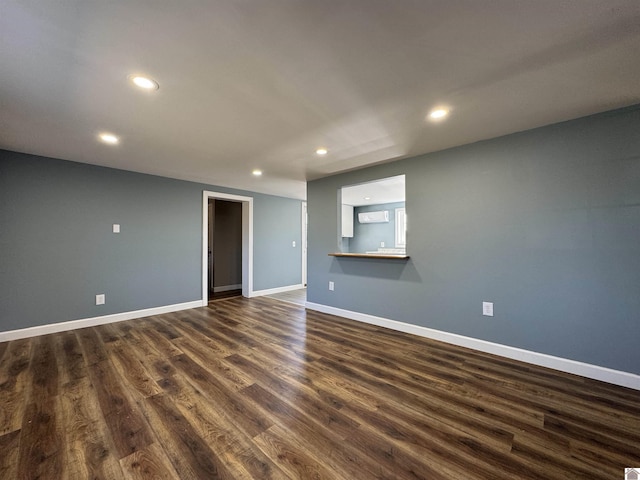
246	204
224	249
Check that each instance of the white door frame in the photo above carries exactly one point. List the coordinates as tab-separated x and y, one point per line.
304	243
247	241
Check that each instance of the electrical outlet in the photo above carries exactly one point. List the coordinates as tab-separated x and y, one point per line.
331	286
382	244
293	244
116	228
487	309
100	299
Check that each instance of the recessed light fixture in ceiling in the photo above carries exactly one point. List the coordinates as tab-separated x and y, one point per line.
438	113
143	82
109	138
322	151
257	172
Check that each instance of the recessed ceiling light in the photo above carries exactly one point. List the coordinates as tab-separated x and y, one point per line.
143	82
367	198
257	172
438	113
109	138
322	151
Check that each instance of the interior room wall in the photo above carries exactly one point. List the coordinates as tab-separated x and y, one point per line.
544	223
368	236
279	220
58	250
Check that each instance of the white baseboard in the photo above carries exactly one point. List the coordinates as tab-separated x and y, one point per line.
595	372
92	322
227	288
271	291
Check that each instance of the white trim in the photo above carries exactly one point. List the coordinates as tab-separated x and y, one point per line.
399	226
227	288
271	291
595	372
93	321
303	241
247	241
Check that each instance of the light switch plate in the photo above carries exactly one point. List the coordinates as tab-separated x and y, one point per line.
487	309
116	228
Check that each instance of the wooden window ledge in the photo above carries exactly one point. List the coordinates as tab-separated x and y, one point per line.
370	255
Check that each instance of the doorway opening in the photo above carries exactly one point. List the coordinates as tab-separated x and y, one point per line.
224	249
209	239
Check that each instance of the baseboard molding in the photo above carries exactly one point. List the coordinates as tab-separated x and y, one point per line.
616	377
271	291
227	288
92	322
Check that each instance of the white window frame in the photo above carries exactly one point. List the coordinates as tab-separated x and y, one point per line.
401	227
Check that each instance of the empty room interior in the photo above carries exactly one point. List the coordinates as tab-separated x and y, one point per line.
320	240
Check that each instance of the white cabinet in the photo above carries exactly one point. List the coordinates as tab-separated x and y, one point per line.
347	220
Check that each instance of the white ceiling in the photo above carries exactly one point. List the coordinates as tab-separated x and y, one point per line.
261	84
385	190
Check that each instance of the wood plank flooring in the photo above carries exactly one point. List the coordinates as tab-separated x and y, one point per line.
262	389
215	296
298	297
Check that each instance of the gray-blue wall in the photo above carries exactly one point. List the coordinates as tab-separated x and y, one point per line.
277	222
58	251
544	223
367	236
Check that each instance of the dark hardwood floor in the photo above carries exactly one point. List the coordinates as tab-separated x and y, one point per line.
258	388
215	296
298	297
